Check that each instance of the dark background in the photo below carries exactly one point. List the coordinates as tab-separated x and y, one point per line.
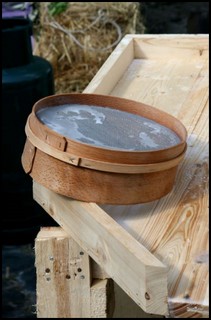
18	272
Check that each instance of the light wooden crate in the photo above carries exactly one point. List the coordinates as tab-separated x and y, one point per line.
156	252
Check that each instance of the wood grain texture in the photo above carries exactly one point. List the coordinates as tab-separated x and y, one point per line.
112	69
34	141
27	161
63	276
77	169
97	271
171	73
102	298
173	78
117	188
165	46
127	262
64	286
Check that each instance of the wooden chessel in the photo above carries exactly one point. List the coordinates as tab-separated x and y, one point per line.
95	173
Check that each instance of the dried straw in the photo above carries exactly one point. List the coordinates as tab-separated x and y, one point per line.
79	40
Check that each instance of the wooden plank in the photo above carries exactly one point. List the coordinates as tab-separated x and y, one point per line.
97	271
63	276
168	46
182	243
175	82
166	85
129	264
175	228
113	68
60	263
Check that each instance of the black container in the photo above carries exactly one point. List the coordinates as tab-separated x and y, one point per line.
25	79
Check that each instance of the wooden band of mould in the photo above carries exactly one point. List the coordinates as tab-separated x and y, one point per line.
100	165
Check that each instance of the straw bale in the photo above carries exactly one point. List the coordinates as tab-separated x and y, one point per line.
78	40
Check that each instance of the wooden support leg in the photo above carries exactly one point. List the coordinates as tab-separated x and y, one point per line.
132	266
64	284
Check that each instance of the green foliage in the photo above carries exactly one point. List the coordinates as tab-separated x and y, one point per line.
56	8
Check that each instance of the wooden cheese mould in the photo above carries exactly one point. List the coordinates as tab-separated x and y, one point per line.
96	174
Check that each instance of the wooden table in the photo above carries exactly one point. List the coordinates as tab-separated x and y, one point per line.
157	252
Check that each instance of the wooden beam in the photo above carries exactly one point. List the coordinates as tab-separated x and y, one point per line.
97	271
63	276
140	274
109	74
175	228
64	286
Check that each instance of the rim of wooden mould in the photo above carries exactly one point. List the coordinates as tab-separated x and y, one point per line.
103	158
